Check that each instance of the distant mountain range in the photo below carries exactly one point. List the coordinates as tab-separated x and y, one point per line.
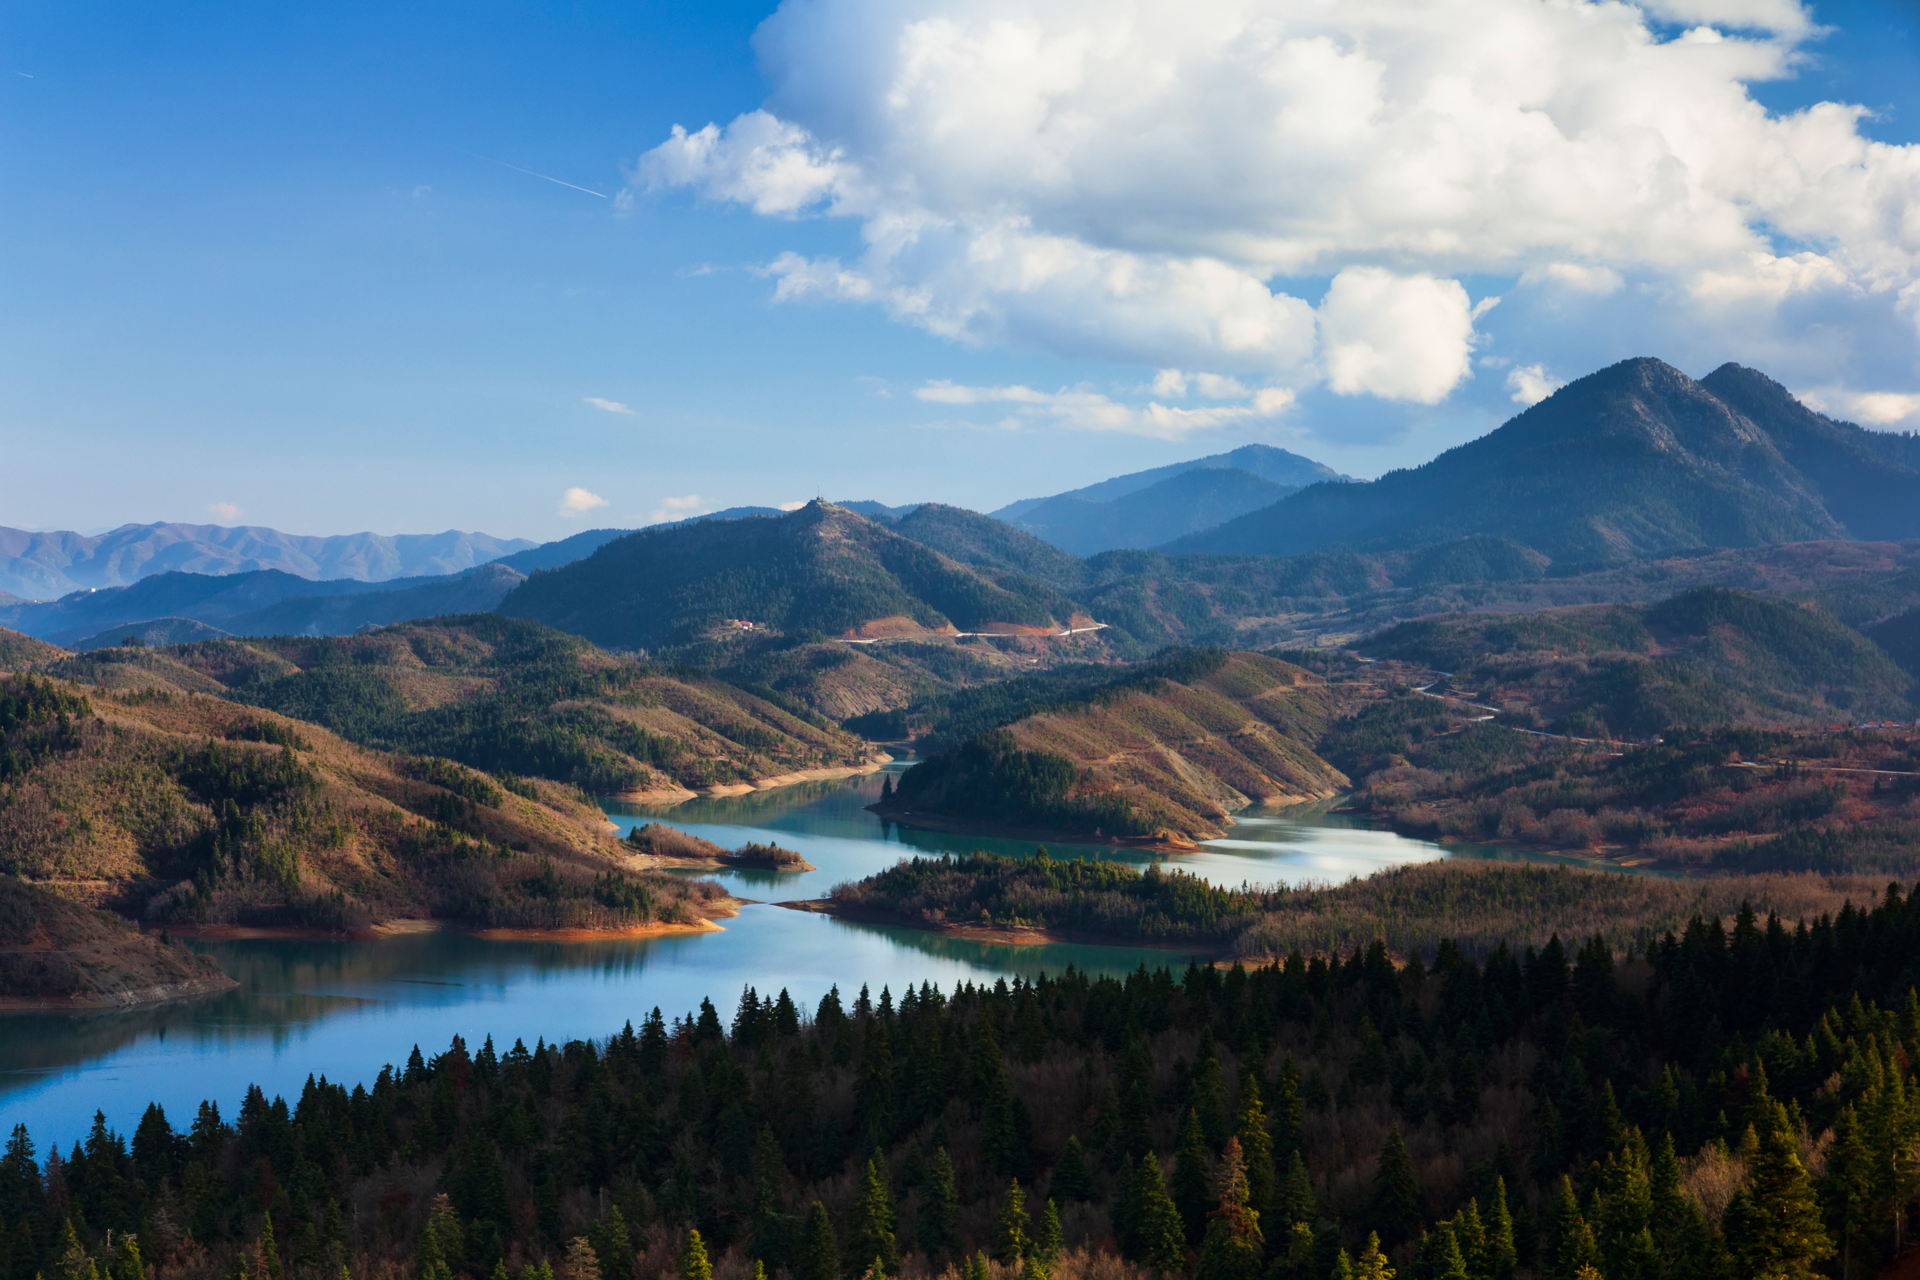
1634	461
1148	508
821	571
44	566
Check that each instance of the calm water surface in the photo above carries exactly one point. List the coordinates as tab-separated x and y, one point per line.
342	1009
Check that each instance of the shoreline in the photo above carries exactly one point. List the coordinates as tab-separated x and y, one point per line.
719	909
1013	831
1002	935
113	1002
680	795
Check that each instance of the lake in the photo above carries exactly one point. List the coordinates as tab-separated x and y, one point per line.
343	1009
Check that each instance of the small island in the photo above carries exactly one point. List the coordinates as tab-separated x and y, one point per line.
667	844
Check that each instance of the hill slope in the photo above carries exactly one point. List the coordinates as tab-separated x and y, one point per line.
1705	657
42	566
1161	753
822	569
508	697
1635	460
55	952
190	810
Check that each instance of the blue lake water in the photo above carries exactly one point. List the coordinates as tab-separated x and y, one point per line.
343	1009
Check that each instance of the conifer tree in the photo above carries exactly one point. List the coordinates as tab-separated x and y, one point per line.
1015	1238
580	1262
939	1218
1396	1206
1049	1241
1256	1145
1371	1263
1570	1243
1438	1256
873	1222
819	1248
1502	1255
1153	1233
1072	1180
1192	1177
694	1264
1233	1243
1773	1224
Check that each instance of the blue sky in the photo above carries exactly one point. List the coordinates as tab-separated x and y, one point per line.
263	264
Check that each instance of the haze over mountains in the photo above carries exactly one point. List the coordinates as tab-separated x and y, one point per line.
1574	500
1148	508
42	566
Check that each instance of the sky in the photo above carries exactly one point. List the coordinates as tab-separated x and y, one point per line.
533	268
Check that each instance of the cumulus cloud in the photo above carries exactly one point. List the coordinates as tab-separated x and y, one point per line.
1156	184
1530	384
678	509
578	502
227	511
1083	409
1869	408
608	406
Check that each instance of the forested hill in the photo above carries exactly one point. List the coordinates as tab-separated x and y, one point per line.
819	571
1161	752
185	809
506	696
1724	1104
1702	658
1635	460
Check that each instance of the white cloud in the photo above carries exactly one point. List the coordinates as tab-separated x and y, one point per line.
1083	409
795	505
1130	180
1396	337
678	509
608	406
578	502
1531	383
1869	408
1574	277
227	511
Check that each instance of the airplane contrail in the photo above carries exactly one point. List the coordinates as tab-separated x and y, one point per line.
534	173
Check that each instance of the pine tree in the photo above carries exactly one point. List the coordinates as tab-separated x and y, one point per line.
1773	1224
1503	1255
694	1264
873	1222
1256	1144
939	1218
1015	1238
1233	1244
1371	1264
1438	1256
1153	1234
819	1248
1049	1242
1294	1200
1396	1207
1192	1177
1570	1243
1071	1178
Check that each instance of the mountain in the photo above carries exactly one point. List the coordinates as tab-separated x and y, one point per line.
1702	658
822	569
988	543
1636	460
265	602
44	566
1147	508
508	697
193	810
1160	753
